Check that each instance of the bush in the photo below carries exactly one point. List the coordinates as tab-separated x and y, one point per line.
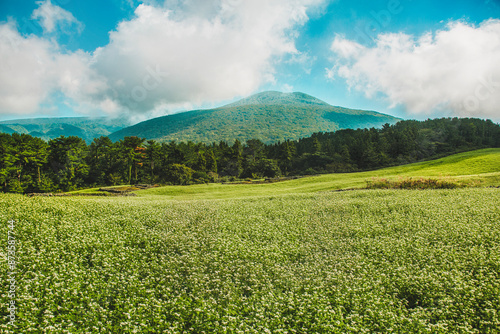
200	177
46	185
213	177
310	171
179	174
410	183
14	186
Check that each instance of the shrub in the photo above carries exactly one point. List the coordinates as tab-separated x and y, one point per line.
410	183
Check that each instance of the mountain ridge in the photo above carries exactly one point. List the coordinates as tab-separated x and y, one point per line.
269	116
49	128
276	97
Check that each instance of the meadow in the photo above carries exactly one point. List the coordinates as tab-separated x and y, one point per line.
263	260
476	168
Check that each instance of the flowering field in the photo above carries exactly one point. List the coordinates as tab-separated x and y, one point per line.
363	261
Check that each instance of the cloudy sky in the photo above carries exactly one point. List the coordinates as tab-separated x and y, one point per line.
139	59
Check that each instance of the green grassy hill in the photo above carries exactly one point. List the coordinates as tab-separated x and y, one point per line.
268	116
49	128
481	166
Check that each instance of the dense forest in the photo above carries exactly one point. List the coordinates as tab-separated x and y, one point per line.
29	164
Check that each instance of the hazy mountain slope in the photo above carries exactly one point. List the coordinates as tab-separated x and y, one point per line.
49	128
268	116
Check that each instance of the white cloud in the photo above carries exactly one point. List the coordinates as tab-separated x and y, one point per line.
170	55
287	88
454	70
197	51
345	48
33	69
52	16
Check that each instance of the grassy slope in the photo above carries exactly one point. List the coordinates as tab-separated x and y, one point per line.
482	165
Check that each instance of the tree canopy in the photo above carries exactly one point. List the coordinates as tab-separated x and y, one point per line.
29	164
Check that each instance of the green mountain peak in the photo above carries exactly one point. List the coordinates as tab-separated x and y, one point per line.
268	116
275	97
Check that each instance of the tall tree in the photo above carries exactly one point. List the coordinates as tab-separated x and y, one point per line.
211	161
134	155
7	159
30	155
99	160
67	164
287	151
153	151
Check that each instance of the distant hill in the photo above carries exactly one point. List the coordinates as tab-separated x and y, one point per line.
50	128
268	116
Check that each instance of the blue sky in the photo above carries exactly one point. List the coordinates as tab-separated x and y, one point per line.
140	59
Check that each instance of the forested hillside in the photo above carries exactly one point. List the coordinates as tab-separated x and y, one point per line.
49	128
268	117
29	164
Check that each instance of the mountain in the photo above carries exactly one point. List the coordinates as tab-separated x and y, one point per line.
268	116
50	128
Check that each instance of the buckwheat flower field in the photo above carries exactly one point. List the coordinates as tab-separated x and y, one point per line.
340	262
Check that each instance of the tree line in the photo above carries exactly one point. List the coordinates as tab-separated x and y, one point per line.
29	164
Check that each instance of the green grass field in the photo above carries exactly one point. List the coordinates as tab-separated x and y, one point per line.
482	166
290	257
